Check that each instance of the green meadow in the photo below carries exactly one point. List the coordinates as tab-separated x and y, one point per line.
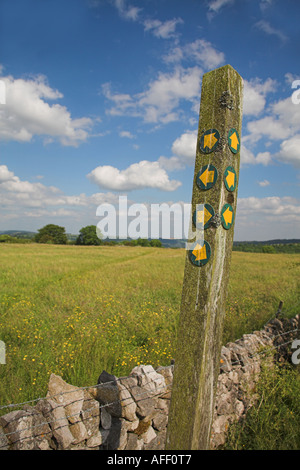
76	310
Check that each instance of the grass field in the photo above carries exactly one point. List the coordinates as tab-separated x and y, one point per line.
77	310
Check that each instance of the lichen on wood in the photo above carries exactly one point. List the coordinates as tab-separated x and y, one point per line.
205	287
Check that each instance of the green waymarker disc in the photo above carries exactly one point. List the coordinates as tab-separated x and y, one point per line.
230	178
234	141
200	253
227	216
209	140
202	218
207	177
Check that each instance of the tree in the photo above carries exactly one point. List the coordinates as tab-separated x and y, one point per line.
156	243
5	238
268	249
51	234
143	242
88	236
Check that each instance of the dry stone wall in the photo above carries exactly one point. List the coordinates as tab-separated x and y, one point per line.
131	413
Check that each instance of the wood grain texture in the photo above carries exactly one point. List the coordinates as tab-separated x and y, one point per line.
204	291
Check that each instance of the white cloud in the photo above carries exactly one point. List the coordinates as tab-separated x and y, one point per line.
290	151
287	208
126	134
248	157
5	174
201	52
290	78
17	194
288	113
164	93
255	92
264	158
162	29
282	124
184	147
27	113
128	12
216	5
160	102
263	183
144	174
270	30
184	152
271	127
267	218
171	163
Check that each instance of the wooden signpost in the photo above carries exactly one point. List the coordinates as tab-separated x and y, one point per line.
197	360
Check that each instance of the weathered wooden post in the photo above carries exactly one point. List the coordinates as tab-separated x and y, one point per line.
197	360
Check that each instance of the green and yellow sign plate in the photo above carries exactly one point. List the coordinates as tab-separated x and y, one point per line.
200	253
207	177
209	140
234	141
230	178
227	216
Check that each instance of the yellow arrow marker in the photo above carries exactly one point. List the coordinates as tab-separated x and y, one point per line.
228	216
234	141
199	252
203	216
207	177
210	140
230	179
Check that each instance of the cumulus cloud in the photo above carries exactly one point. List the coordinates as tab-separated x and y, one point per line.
255	92
5	174
282	125
126	134
288	208
185	146
162	29
267	216
184	152
201	52
269	126
27	113
249	158
159	103
18	195
144	174
290	151
128	12
171	163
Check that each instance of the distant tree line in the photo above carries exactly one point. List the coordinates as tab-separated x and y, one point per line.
260	248
9	239
88	236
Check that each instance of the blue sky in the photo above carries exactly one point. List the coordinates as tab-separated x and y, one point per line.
102	99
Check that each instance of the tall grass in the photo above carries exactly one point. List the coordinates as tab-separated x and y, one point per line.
76	310
274	423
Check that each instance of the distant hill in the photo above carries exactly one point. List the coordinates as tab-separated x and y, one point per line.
175	243
277	241
18	233
27	234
